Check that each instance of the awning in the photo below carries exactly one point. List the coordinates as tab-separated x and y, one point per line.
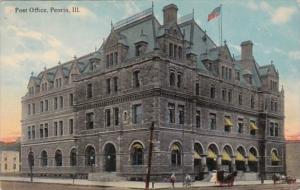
252	157
175	147
137	146
211	154
253	126
275	157
228	122
196	155
225	156
239	157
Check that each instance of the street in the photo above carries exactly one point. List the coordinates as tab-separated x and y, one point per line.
9	185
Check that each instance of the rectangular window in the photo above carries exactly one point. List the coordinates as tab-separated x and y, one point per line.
179	80
29	109
61	100
116	116
55	103
137	114
223	94
136	80
237	75
180	52
197	89
240	126
276	130
116	84
223	72
55	129
175	51
212	121
61	128
171	108
271	129
107	61
71	126
198	119
90	120
227	124
29	132
46	105
111	59
59	81
89	90
230	96
240	99
41	106
46	134
33	108
41	131
33	132
107	117
171	50
116	57
71	99
181	114
230	74
108	86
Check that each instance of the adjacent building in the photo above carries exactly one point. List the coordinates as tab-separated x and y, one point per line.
210	110
9	162
292	155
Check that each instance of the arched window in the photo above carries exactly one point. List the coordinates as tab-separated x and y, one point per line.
73	157
172	79
44	158
30	159
252	160
90	156
240	99
175	155
275	157
58	158
240	159
212	91
137	154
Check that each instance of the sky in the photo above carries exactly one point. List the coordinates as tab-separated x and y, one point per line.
30	41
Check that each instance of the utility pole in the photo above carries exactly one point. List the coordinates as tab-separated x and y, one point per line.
149	157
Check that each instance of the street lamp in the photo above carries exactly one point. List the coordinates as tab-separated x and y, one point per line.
149	157
30	163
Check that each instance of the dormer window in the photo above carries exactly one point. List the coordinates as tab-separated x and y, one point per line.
111	59
58	83
237	75
138	50
212	91
240	99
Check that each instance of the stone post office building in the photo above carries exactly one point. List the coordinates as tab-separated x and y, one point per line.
91	115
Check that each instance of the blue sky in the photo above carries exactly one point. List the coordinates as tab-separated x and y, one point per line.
32	41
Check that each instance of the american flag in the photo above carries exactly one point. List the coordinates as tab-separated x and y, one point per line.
215	13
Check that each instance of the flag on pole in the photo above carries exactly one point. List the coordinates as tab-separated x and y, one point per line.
215	13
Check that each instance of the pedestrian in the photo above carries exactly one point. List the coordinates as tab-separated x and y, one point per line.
173	179
187	180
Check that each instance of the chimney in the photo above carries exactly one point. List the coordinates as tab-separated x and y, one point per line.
246	50
170	14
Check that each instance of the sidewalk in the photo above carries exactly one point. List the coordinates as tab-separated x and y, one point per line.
127	184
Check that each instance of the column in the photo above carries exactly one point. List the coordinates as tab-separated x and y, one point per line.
233	166
203	163
219	162
246	164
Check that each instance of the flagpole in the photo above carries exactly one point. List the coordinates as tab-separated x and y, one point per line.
221	22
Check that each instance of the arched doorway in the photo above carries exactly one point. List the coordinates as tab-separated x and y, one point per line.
252	160
212	154
137	154
176	155
73	157
110	158
226	158
198	169
58	158
240	159
44	158
90	156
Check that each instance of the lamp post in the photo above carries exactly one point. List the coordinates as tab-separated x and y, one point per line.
30	163
149	157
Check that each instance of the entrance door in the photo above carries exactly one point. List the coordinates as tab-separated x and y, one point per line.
110	158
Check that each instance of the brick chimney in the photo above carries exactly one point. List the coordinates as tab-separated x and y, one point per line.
246	50
170	14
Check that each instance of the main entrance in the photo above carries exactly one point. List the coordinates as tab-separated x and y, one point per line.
110	158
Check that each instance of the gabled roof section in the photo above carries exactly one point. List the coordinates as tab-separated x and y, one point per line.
267	69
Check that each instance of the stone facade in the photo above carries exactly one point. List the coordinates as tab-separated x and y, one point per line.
210	110
292	155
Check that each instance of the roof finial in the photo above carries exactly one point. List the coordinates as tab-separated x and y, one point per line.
225	42
271	62
31	73
111	25
59	62
193	13
74	57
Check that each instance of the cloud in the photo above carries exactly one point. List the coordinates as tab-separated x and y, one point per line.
23	32
278	15
283	15
131	8
295	55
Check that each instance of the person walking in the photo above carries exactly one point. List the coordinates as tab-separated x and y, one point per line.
187	180
173	179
